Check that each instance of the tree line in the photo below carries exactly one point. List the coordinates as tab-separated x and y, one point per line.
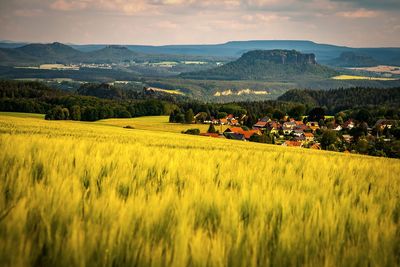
99	101
36	97
336	100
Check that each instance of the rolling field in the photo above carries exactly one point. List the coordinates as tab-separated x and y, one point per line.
158	123
355	77
96	194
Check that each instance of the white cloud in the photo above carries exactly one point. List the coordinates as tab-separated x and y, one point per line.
359	13
118	6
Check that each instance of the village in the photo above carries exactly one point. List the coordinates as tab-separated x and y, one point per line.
328	133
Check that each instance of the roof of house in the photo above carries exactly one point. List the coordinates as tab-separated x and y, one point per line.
291	123
293	143
230	116
234	136
261	124
300	138
265	119
274	125
239	130
301	127
223	120
315	146
308	135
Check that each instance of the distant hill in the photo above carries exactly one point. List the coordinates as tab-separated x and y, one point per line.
38	53
53	52
110	54
351	59
277	65
61	53
342	99
65	54
324	53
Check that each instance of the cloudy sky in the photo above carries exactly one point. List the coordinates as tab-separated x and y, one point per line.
359	23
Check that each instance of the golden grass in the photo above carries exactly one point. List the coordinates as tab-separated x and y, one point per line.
158	123
354	77
89	194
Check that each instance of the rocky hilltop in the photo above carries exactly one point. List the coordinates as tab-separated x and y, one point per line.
279	56
273	65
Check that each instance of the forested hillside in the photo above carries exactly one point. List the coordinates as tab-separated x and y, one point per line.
34	97
277	65
335	100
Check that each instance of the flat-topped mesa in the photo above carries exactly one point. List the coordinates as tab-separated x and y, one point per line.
272	65
279	56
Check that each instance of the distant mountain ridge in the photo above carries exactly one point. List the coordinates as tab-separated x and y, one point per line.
38	53
64	54
324	53
277	65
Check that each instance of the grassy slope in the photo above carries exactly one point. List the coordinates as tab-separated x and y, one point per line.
157	123
89	194
23	115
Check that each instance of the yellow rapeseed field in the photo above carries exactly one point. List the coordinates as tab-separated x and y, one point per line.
158	123
355	77
91	194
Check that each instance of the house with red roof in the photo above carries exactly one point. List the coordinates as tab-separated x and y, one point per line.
223	121
261	125
309	137
292	144
273	127
246	133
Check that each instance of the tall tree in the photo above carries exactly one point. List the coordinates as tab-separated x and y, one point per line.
189	116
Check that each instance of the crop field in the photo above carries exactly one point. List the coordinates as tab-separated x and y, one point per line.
173	92
381	69
355	77
94	194
158	123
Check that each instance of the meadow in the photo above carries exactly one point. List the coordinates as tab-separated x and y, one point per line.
96	194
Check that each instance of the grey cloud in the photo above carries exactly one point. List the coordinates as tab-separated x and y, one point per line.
373	4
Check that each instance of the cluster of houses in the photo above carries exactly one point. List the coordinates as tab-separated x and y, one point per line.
290	132
299	133
229	120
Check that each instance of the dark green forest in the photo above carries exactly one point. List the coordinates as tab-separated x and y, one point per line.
99	101
341	99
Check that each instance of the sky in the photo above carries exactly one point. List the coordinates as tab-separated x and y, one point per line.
357	23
